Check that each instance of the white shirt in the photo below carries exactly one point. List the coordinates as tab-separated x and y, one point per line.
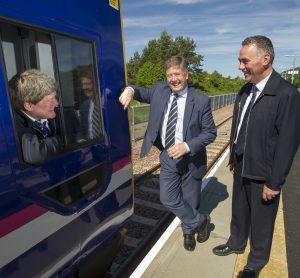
260	86
181	100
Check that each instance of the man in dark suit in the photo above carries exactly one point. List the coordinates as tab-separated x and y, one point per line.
90	123
34	98
264	139
180	125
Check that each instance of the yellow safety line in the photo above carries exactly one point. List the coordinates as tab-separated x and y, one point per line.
277	266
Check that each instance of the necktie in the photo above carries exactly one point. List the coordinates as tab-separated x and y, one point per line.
240	143
42	126
95	121
171	124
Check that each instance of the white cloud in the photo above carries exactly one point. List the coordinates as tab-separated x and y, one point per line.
182	2
149	21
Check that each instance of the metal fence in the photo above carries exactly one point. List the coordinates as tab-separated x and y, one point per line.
139	114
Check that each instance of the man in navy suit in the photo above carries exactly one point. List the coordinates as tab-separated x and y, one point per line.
184	163
264	139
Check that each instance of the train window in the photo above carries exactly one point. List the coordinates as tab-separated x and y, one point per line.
72	191
72	62
26	49
79	88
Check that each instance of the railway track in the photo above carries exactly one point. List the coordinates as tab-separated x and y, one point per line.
150	217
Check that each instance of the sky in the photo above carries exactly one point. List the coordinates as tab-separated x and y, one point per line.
217	27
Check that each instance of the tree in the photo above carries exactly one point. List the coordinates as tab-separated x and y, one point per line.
149	74
147	68
159	50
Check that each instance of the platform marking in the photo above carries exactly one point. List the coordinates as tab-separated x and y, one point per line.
144	264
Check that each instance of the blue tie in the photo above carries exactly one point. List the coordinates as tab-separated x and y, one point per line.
241	139
171	124
42	126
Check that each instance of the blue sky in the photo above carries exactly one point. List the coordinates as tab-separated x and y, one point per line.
217	26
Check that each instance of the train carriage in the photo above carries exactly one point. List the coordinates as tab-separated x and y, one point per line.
66	214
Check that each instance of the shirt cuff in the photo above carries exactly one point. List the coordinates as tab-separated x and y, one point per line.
129	87
187	147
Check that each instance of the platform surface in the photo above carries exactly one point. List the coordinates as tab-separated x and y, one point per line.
172	260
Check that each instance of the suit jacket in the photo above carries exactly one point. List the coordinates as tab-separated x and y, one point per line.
273	132
35	148
198	126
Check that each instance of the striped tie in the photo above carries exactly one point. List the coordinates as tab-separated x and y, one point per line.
95	121
171	124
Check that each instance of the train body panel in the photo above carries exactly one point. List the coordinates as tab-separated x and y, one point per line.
55	215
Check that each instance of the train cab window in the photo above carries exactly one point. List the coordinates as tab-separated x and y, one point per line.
71	62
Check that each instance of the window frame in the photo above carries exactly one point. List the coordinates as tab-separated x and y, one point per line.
60	115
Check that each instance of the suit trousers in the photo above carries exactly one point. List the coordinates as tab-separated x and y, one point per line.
180	192
251	217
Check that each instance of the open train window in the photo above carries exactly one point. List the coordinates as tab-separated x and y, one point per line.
71	62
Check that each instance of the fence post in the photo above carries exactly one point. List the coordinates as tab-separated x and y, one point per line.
132	122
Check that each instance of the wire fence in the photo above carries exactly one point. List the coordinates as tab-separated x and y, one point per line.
139	114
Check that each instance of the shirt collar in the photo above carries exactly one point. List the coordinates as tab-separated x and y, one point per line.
33	119
183	93
261	85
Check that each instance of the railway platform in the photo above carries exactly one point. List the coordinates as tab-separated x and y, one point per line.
168	258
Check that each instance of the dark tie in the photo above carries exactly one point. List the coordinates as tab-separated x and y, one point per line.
240	143
42	126
171	124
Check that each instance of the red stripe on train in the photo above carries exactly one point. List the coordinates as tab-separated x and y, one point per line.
20	218
28	214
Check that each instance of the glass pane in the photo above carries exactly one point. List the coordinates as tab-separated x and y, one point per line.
44	54
80	96
11	45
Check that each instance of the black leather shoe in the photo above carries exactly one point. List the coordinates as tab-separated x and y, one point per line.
189	242
202	229
224	250
249	273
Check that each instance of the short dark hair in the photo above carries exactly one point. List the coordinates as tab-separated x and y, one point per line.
176	61
262	43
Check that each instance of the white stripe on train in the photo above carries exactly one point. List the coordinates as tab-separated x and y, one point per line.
24	238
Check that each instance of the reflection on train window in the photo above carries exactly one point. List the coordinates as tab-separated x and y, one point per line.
70	192
79	88
71	62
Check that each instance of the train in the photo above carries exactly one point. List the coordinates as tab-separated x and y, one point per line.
66	215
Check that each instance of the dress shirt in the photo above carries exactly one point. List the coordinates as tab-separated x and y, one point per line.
260	86
181	100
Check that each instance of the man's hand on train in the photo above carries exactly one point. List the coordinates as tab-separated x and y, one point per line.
126	97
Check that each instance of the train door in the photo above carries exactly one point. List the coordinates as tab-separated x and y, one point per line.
52	194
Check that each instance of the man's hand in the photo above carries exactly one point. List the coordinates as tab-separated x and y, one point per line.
269	194
177	151
126	97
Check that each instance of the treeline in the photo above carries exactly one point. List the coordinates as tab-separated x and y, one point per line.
147	68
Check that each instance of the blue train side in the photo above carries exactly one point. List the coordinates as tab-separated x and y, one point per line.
67	214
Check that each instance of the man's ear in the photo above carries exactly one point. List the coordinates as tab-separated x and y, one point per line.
28	106
266	59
